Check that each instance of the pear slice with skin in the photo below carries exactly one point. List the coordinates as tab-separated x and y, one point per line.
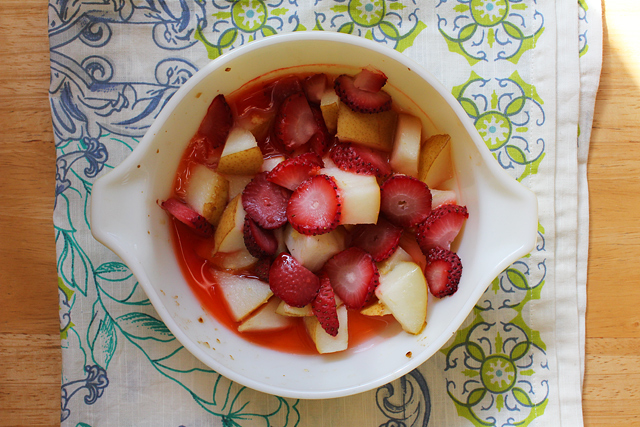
207	192
241	154
434	166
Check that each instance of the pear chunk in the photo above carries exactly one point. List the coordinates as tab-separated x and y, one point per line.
373	130
242	294
360	196
324	342
376	309
285	309
406	145
434	166
233	260
229	236
313	251
266	318
399	255
207	192
329	106
404	291
241	154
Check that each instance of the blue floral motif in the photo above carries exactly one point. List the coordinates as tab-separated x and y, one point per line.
95	383
405	402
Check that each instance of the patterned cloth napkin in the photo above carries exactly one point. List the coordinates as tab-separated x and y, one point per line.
526	73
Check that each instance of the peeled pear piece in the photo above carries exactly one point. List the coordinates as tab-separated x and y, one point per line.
266	318
324	342
360	196
242	294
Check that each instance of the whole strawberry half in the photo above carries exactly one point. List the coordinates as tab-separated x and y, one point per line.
380	240
183	213
443	272
217	123
315	206
404	200
292	282
324	307
353	276
441	227
265	202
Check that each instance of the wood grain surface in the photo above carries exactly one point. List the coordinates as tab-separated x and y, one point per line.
30	362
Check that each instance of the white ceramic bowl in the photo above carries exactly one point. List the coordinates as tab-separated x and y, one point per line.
125	217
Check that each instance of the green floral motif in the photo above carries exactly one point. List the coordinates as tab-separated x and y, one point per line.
504	112
489	30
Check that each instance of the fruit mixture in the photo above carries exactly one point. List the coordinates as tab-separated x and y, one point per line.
312	199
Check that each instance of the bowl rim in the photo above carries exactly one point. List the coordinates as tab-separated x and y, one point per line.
133	158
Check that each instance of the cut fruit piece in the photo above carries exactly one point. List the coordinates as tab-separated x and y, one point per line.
188	216
291	172
324	342
409	244
372	130
404	291
229	236
315	86
400	255
207	192
315	206
237	184
380	240
353	276
241	154
404	200
442	197
217	123
266	318
360	159
242	294
360	196
237	260
406	145
370	79
376	309
321	141
324	307
362	101
261	269
313	251
295	123
260	243
291	282
285	309
443	272
441	227
271	163
266	202
329	105
434	166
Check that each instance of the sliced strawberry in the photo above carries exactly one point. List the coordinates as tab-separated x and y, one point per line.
370	79
217	123
292	282
261	269
183	213
404	200
284	88
443	272
353	275
380	240
265	202
258	241
361	100
441	227
360	159
324	307
295	123
410	245
315	206
314	87
322	139
291	172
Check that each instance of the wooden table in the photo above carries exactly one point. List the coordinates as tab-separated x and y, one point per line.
29	335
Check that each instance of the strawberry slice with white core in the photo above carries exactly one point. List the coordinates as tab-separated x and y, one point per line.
441	227
353	276
443	272
291	282
188	216
295	123
380	240
404	200
324	307
265	202
290	173
359	100
217	123
314	87
258	241
315	206
370	79
360	159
